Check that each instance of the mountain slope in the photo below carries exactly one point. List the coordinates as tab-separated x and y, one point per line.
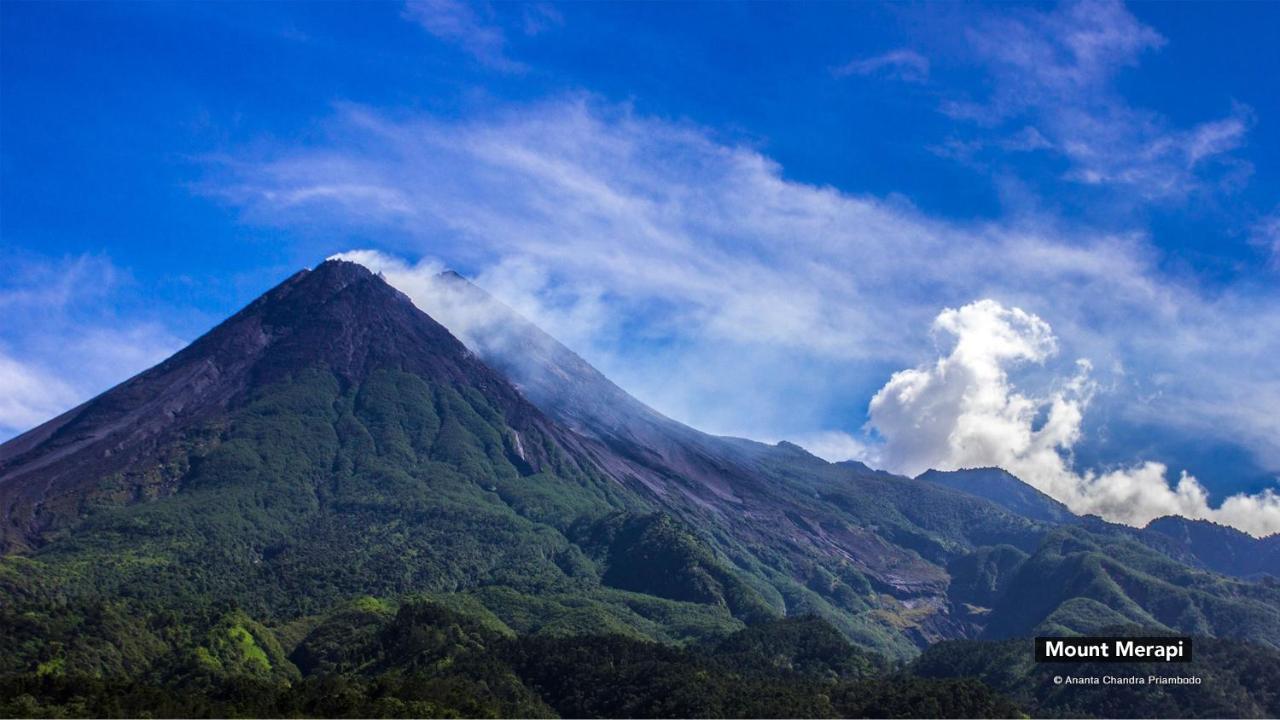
1081	580
841	540
332	441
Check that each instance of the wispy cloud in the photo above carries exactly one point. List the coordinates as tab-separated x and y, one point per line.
726	295
29	396
42	285
1054	71
469	26
1265	233
539	17
834	445
902	64
60	344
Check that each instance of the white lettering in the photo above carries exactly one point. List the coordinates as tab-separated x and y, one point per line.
1058	648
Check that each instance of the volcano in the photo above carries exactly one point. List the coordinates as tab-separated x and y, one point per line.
331	441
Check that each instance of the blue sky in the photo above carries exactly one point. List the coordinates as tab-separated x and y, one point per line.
750	215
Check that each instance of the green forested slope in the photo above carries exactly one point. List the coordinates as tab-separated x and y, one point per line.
314	494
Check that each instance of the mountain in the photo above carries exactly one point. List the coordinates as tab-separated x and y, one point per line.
329	441
332	444
337	326
1217	547
1004	490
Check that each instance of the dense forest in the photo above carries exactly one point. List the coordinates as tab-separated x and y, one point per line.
423	659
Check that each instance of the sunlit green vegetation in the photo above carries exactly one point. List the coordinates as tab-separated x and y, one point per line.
424	660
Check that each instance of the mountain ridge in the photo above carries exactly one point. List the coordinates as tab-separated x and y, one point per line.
1003	488
1201	543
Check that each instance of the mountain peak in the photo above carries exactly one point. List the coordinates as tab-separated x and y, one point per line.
1003	488
340	269
328	278
338	318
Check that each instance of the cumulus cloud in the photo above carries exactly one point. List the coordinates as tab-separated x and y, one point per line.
902	64
964	411
1057	69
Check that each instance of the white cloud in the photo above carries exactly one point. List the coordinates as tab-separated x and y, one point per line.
961	410
835	446
462	23
481	323
1056	69
63	343
902	64
29	396
697	276
655	212
36	285
964	411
